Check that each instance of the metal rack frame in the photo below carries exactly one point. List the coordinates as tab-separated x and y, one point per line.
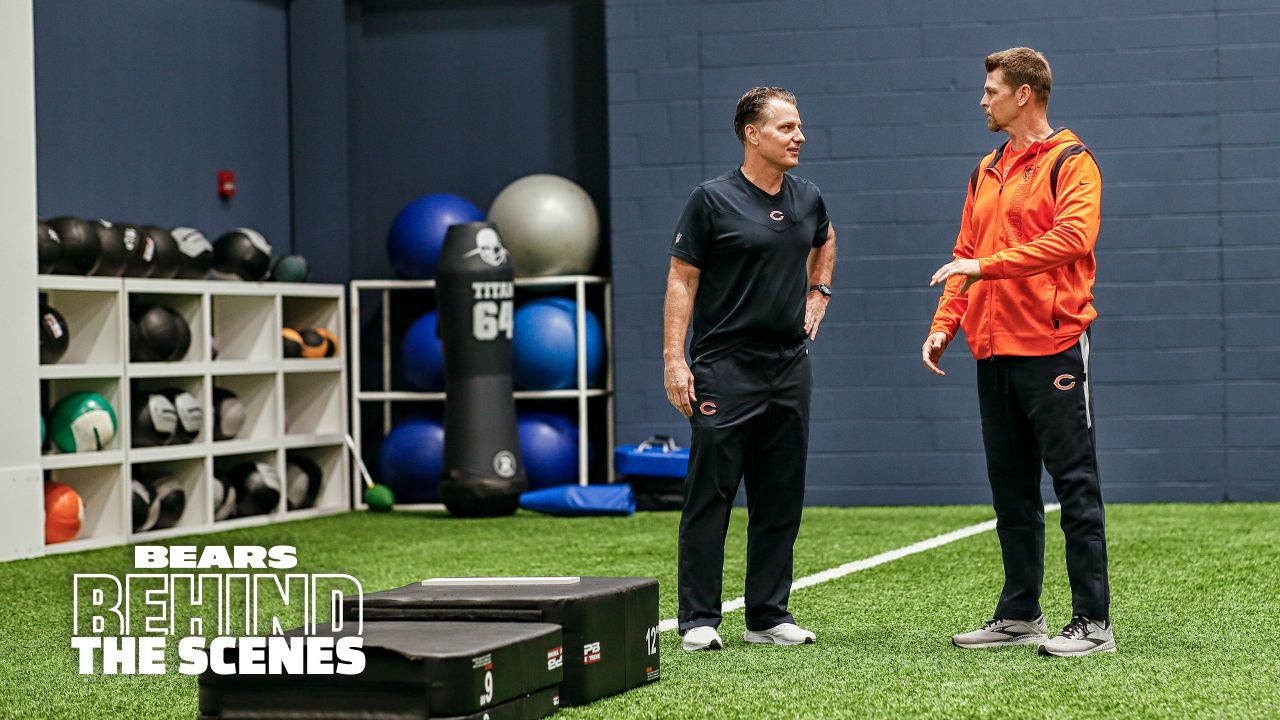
581	393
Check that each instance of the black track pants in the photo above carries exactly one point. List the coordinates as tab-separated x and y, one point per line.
1038	410
751	422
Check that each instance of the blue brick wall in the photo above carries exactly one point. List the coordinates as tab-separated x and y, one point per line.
1180	102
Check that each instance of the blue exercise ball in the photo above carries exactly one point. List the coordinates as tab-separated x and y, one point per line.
549	444
417	234
422	355
545	348
412	458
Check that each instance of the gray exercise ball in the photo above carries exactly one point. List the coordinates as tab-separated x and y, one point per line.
549	225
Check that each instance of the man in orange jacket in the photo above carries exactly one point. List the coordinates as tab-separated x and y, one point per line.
1021	286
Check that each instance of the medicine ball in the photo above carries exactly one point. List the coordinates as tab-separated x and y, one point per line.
114	259
54	335
82	422
308	343
292	340
228	414
155	420
302	482
168	501
63	513
196	252
141	249
224	500
166	261
190	414
49	246
242	253
290	268
257	488
80	246
332	338
143	519
157	334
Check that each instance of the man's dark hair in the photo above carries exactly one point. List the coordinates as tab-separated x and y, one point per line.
752	107
1024	66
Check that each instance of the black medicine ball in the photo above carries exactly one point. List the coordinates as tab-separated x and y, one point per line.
143	520
50	247
196	251
155	420
242	253
224	500
168	259
190	414
80	246
302	482
228	414
114	260
54	335
157	334
168	501
141	248
257	488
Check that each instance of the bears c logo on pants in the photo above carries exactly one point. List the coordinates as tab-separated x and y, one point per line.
1064	381
707	408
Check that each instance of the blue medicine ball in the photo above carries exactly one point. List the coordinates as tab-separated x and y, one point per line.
412	459
544	348
422	355
549	444
417	234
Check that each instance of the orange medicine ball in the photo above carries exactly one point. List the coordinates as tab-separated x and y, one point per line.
327	334
63	513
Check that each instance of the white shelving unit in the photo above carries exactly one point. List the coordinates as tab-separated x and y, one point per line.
293	406
387	395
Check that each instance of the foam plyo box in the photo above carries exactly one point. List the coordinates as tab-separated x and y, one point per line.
412	670
610	624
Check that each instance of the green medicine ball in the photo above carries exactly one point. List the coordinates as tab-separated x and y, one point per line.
82	422
290	268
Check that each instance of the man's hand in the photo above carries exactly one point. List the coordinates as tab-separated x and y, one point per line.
960	266
931	351
815	308
679	383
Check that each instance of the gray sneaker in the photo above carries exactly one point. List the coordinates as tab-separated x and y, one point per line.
1081	636
1000	632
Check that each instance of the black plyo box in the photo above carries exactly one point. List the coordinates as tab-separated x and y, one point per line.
610	623
412	670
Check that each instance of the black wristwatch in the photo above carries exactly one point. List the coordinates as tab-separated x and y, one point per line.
823	288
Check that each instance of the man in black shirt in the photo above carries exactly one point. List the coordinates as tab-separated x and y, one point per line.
751	264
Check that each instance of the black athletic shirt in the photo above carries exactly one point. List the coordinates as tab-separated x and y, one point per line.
752	248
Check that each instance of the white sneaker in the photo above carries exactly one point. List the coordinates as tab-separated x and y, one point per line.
1080	637
784	634
703	637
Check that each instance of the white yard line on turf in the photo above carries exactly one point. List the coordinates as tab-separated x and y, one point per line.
866	563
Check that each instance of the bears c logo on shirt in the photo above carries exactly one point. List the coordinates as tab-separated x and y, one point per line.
776	216
707	408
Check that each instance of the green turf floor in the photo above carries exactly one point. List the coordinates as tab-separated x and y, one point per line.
1195	589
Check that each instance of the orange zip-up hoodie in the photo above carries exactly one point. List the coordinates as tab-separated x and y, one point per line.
1034	248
